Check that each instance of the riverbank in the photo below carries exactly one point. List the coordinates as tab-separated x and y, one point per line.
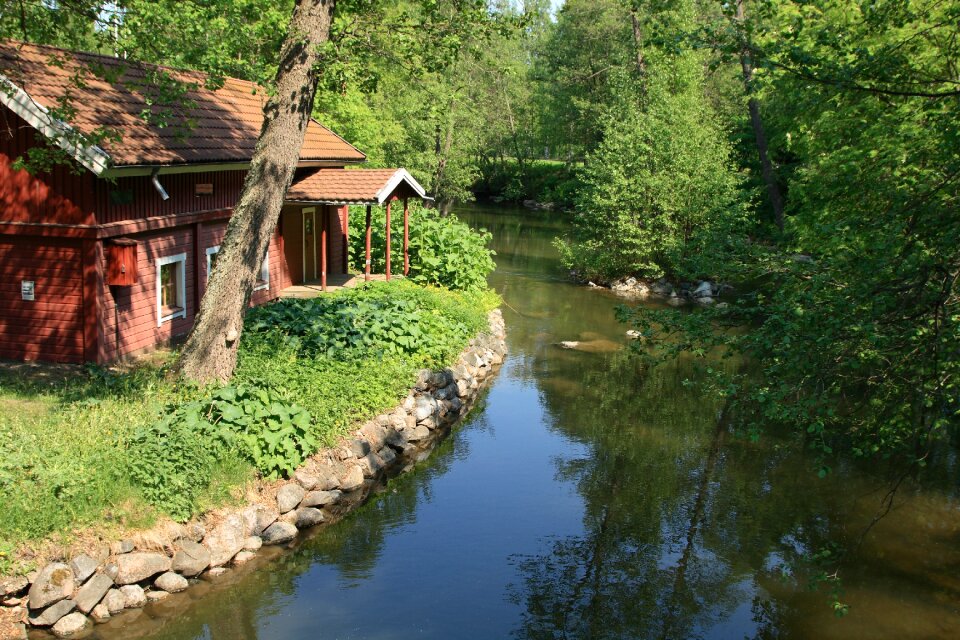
701	292
108	579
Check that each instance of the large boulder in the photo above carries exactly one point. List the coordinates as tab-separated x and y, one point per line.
89	595
134	596
352	478
53	613
289	496
308	517
114	601
83	567
320	498
70	625
426	406
225	540
140	565
54	582
279	532
171	582
306	479
257	518
12	585
100	613
191	559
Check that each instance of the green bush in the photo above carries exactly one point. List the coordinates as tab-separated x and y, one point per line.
443	250
385	319
174	458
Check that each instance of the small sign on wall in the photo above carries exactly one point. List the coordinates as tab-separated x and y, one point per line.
203	189
27	289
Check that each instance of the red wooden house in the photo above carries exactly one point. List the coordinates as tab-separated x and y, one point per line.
113	259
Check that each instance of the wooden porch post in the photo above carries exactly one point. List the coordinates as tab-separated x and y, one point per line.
366	265
346	238
406	238
324	221
388	240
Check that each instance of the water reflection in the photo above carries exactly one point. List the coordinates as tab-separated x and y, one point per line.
589	498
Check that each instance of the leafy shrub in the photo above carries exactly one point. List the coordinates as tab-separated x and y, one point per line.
444	251
174	458
385	319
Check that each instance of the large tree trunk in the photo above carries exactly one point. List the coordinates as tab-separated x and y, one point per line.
766	166
211	350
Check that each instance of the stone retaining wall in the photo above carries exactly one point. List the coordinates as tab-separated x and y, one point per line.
69	596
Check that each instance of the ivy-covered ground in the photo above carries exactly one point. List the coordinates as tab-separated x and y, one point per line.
122	449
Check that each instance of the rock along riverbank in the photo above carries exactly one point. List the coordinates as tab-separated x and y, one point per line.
69	596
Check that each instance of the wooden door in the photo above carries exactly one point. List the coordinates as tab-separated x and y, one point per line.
310	233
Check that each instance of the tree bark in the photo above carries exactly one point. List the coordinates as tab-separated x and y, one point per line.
210	353
638	44
766	166
444	201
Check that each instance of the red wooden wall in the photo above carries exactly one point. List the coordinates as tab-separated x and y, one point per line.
49	327
60	196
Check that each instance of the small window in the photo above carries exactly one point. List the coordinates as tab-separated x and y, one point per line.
263	279
171	288
211	259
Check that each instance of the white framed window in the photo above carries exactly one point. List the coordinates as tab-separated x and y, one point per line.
263	279
211	258
171	287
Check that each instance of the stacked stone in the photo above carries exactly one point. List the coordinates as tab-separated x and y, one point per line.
66	597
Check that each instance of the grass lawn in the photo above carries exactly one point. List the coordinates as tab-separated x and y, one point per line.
116	448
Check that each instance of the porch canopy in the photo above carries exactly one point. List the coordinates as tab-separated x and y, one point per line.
370	187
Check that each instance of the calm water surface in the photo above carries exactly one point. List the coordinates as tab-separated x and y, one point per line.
586	499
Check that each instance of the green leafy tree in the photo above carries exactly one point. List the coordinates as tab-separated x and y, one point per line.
660	193
853	315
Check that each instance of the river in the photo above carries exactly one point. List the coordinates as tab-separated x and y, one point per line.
584	498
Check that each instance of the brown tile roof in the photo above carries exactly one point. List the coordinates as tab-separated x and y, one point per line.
353	186
226	121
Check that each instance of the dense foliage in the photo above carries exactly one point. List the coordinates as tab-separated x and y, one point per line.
443	250
854	310
175	457
119	448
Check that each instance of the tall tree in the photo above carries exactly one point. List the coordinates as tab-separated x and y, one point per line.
756	122
211	349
